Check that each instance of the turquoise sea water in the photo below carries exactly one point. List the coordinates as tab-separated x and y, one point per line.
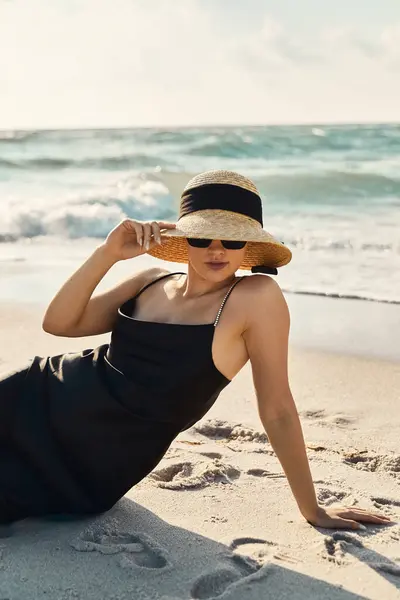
331	193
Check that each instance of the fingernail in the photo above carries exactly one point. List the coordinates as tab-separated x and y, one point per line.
361	526
147	245
141	241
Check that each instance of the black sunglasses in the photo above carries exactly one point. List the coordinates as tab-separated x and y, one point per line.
228	244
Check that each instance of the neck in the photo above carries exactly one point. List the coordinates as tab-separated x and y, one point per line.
196	286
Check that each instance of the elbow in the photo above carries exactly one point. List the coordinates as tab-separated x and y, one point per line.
56	324
46	325
48	328
54	329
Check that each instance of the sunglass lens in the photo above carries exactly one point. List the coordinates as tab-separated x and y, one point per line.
199	242
233	245
204	243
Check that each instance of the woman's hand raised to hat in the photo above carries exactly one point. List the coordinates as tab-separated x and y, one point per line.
132	238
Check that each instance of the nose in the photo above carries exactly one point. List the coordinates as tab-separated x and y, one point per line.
216	246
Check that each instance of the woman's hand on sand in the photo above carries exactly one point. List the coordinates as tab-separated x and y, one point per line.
351	517
132	238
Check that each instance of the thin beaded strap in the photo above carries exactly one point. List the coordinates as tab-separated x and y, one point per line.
228	293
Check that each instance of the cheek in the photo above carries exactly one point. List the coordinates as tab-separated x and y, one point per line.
237	257
195	255
192	252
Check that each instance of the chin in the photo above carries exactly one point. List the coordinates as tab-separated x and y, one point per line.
217	273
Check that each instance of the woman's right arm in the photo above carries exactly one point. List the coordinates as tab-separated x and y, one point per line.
73	312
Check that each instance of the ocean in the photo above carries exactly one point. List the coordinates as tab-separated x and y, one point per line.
331	193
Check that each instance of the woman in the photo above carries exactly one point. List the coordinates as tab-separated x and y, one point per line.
78	430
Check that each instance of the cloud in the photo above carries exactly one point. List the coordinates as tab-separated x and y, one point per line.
131	62
98	39
273	49
382	46
94	58
390	40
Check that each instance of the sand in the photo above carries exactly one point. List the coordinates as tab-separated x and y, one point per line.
216	519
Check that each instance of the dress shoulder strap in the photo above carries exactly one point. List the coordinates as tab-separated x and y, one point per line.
228	293
157	279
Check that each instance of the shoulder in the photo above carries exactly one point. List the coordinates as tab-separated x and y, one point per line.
257	283
262	301
147	275
260	288
132	285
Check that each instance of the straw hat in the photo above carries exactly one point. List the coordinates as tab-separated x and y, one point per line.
224	205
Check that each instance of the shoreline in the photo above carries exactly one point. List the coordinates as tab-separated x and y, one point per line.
351	326
337	296
47	260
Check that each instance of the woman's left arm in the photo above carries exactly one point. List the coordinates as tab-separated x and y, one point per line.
266	337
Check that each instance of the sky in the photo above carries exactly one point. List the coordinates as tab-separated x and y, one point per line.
122	63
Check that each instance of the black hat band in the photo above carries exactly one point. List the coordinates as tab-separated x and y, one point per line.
222	196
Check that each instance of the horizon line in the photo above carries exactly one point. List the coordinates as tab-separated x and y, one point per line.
202	126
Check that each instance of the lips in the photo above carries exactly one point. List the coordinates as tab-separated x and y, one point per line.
216	265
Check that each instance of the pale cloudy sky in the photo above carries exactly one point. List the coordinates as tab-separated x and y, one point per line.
88	63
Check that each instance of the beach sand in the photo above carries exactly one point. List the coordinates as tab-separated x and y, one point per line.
217	519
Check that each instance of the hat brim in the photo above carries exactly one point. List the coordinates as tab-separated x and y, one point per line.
262	248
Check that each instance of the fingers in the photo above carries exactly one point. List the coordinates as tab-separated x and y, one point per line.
367	516
347	524
146	235
357	515
156	232
164	225
152	233
374	519
138	230
363	511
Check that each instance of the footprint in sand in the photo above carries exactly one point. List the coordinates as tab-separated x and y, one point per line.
321	417
385	505
214	455
313	414
328	496
235	437
249	561
265	473
245	541
217	430
231	572
188	475
340	544
366	461
380	501
335	546
137	550
259	550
